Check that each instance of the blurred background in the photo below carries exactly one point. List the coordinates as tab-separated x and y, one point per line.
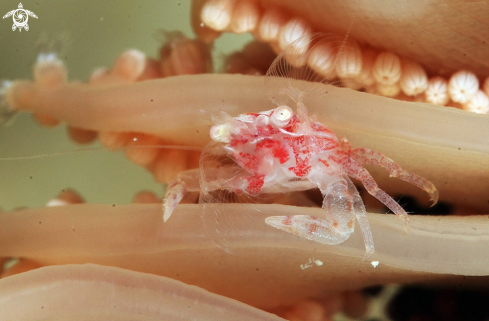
98	32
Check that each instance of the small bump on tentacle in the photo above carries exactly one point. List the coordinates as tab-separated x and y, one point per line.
462	86
294	29
49	71
387	68
321	59
114	140
66	197
203	32
246	15
348	62
437	91
98	75
182	56
129	65
217	14
81	135
270	24
369	55
413	80
478	104
46	120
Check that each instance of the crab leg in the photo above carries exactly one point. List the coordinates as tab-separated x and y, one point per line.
336	225
361	215
187	181
341	203
368	156
355	170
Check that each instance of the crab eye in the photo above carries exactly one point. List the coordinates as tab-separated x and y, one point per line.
220	133
281	116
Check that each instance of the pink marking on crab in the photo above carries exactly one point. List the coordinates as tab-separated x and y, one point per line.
295	153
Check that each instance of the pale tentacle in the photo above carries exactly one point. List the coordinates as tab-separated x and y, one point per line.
368	156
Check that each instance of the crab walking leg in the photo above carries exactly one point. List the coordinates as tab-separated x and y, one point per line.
361	215
334	228
187	181
355	170
200	180
368	156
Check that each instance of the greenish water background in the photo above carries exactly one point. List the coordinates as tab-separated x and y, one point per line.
99	31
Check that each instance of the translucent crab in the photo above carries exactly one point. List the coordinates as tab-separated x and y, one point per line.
279	151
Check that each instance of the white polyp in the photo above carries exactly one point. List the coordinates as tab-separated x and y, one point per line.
478	104
388	90
294	29
98	75
387	68
485	86
130	65
188	58
462	86
368	59
436	91
49	70
348	60
321	59
56	202
270	25
413	80
216	14
245	17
